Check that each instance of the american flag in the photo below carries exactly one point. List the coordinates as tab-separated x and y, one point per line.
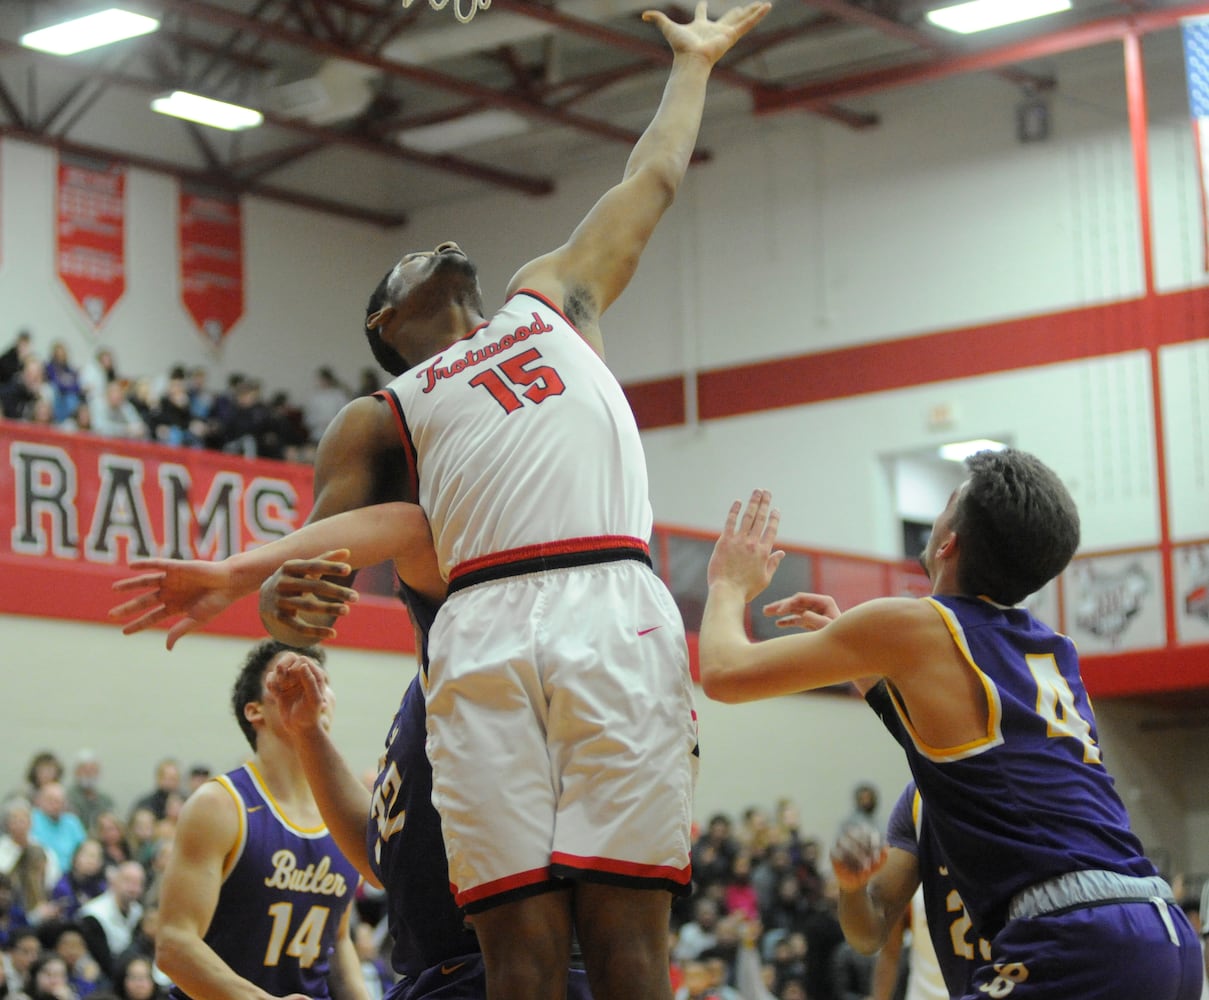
1196	64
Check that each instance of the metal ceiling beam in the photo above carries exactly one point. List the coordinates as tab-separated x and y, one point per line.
227	184
1080	36
445	163
913	36
203	11
660	54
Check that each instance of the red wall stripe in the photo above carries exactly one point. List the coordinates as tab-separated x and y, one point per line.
1009	345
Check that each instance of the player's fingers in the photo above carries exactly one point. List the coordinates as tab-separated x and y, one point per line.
146	621
135	605
152	564
771	525
181	629
139	582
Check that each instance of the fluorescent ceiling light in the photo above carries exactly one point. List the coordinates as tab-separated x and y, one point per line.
959	451
482	126
102	28
980	15
204	111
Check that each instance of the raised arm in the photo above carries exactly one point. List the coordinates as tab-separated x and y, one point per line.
199	591
344	802
588	272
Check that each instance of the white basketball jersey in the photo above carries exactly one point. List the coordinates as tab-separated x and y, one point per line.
520	436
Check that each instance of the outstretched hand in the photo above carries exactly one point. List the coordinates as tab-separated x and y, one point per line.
299	686
710	39
857	856
807	611
744	554
195	590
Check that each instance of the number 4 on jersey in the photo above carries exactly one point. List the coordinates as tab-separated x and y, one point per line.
306	943
1056	705
538	381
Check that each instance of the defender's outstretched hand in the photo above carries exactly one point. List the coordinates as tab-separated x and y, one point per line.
807	611
193	590
744	554
709	39
303	698
857	856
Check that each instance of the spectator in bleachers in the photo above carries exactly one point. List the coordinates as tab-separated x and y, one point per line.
699	933
370	382
740	895
293	441
29	880
172	420
116	417
17	836
18	394
55	828
201	399
84	880
80	422
43	768
714	852
864	808
248	427
48	979
134	980
109	921
12	361
141	834
328	398
142	945
141	395
97	374
167	783
18	957
110	832
64	379
199	774
12	915
83	970
85	797
41	413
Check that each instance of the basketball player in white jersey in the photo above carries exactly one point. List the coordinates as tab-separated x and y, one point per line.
559	712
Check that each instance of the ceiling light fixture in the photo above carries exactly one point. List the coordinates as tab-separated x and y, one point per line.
959	451
469	130
91	32
204	111
982	15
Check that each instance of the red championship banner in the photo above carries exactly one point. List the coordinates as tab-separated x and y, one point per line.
75	509
90	253
211	261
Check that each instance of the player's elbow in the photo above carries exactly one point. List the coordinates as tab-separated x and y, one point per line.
718	683
171	951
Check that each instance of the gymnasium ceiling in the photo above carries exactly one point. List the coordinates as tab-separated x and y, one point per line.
361	96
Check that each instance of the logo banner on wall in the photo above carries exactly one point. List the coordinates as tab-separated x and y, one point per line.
1196	66
90	238
211	261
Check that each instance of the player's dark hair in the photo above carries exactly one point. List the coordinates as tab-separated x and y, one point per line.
383	353
1017	526
249	685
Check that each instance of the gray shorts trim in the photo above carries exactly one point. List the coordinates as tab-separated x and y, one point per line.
1087	888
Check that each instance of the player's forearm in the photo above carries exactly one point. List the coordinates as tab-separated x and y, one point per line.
667	144
862	920
345	979
344	802
723	646
196	968
371	534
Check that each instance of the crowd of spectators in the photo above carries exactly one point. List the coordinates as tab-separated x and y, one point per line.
177	408
80	881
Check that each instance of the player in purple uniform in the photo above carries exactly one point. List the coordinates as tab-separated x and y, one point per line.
991	711
256	897
877	882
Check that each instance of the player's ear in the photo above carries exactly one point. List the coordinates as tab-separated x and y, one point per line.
253	711
380	318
